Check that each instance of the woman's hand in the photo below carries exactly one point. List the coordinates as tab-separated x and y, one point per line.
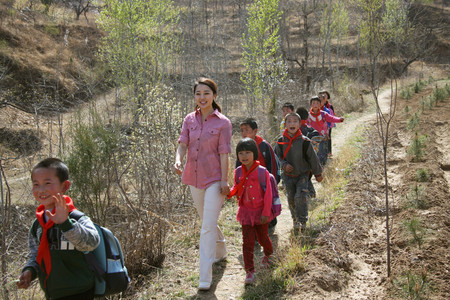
224	188
178	169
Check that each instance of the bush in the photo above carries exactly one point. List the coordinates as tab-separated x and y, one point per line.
416	229
405	93
414	286
417	147
422	175
417	197
413	121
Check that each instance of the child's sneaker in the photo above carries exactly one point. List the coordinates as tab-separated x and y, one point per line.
250	278
265	263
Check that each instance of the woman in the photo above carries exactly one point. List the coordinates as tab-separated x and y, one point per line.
206	137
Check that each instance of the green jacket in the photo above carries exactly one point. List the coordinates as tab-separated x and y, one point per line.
68	241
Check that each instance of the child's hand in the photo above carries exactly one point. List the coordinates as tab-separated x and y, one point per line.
177	168
342	119
319	177
288	168
264	219
61	210
24	280
224	188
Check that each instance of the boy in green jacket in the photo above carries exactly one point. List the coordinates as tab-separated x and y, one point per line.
56	240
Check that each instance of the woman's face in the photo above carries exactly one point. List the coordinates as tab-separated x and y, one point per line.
204	96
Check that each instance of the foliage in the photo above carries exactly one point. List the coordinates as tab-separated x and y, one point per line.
405	93
417	147
141	40
416	229
265	71
417	197
414	286
422	175
413	121
90	160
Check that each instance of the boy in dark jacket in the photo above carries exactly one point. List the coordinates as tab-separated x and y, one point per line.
296	166
56	240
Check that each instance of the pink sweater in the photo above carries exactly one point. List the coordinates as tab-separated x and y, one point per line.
319	123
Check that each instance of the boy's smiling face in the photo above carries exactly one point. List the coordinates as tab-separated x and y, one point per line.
46	184
292	125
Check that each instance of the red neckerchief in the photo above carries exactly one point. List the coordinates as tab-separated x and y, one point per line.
303	123
315	115
258	139
43	250
291	139
242	180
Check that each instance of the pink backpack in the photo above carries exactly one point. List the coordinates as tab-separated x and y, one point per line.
276	203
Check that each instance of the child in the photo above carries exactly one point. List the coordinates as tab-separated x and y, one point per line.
57	241
287	109
296	168
266	156
306	130
318	120
255	206
326	106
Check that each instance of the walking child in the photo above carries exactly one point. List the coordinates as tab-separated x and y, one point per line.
318	120
296	166
255	206
57	242
266	155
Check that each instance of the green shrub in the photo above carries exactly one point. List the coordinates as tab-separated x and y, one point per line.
417	197
413	121
417	147
405	93
415	228
422	175
440	94
407	109
414	286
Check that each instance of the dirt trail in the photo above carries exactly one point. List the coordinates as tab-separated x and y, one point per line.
361	285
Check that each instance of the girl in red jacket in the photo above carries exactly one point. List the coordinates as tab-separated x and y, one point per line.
255	205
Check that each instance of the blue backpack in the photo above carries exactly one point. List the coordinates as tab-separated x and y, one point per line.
106	261
276	203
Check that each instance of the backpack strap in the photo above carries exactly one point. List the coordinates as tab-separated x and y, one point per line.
262	178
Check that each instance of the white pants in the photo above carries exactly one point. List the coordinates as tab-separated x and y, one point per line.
208	203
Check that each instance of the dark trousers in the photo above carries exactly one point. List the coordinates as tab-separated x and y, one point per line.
248	237
88	295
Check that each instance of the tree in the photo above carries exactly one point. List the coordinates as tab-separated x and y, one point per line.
141	40
265	70
383	23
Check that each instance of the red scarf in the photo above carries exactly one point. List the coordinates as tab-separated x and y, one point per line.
242	180
43	250
291	139
303	123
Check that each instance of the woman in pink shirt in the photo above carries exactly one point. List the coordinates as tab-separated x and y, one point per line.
206	138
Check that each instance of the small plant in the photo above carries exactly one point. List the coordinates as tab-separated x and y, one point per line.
439	94
413	121
430	79
407	109
414	286
405	93
417	147
423	103
416	197
416	229
422	175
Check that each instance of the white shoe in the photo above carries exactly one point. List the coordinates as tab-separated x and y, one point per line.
204	286
220	259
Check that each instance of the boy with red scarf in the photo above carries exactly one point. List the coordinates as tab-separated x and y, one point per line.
57	241
296	169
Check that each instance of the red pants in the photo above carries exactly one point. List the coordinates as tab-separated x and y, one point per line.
248	236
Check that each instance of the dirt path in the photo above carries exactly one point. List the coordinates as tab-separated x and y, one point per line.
361	285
